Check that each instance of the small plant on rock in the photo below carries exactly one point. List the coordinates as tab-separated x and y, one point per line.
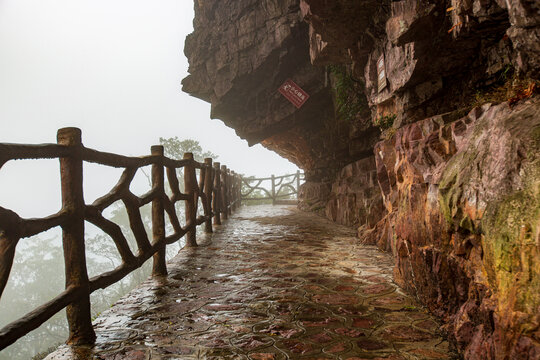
386	125
509	87
385	121
349	98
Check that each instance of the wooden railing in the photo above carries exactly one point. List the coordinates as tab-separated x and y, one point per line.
279	189
217	188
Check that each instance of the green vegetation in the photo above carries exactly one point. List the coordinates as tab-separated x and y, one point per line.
385	121
508	87
386	125
175	148
509	226
349	97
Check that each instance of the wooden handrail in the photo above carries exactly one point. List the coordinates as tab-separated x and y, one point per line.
278	184
217	188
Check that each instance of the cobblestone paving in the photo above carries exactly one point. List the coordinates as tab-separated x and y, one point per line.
273	283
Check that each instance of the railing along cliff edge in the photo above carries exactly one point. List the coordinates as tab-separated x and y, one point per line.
217	187
280	190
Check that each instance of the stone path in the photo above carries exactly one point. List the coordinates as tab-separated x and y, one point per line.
273	283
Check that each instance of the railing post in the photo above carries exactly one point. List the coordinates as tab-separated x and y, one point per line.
190	185
224	193
159	267
71	175
233	194
297	183
273	190
229	192
236	197
208	190
216	199
236	192
239	190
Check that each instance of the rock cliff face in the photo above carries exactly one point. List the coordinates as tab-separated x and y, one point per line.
462	200
240	53
402	138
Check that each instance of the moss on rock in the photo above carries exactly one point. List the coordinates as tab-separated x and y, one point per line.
511	244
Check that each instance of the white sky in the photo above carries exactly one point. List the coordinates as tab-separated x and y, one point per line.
112	68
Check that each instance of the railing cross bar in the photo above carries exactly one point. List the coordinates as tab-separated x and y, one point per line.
217	187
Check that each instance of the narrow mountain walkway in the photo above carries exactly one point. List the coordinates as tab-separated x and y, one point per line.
273	283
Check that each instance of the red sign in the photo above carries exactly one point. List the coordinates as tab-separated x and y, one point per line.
293	93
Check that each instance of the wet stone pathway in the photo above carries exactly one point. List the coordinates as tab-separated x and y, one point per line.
273	283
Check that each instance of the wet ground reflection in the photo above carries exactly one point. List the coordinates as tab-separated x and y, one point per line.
273	283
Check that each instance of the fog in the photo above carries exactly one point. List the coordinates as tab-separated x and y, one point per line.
113	69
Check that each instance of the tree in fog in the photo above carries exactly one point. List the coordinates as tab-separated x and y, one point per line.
175	149
36	276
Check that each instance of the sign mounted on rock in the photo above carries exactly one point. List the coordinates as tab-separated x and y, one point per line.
293	93
381	73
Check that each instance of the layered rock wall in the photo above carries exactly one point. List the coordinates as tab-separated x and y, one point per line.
436	53
355	198
240	53
463	222
402	138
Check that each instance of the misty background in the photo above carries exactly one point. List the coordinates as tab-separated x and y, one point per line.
112	68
